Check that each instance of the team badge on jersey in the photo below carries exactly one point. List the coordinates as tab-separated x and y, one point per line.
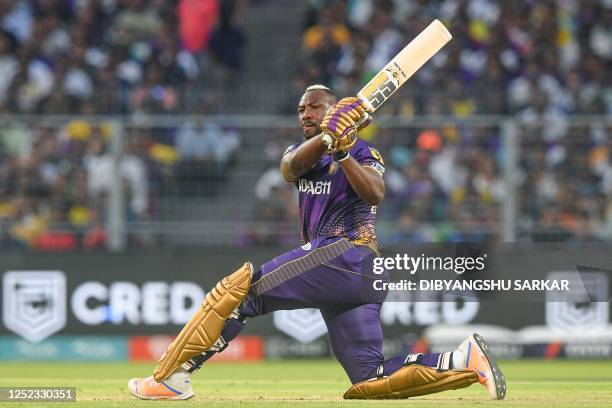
378	164
376	155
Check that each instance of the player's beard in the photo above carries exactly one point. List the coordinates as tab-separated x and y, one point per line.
311	131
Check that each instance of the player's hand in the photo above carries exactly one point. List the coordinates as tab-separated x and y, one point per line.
342	122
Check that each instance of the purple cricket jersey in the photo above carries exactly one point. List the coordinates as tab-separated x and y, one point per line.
329	207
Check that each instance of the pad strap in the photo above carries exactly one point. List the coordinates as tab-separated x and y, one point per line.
445	361
195	363
412	358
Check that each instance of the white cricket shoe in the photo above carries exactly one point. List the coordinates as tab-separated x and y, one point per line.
176	387
477	358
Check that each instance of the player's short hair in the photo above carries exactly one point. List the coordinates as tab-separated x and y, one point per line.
319	87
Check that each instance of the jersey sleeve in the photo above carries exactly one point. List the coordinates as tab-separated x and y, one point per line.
370	157
291	148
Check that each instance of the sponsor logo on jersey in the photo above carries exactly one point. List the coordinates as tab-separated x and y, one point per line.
380	169
317	188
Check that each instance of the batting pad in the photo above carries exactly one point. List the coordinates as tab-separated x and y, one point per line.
411	381
204	328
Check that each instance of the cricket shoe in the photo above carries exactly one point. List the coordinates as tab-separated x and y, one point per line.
176	387
477	358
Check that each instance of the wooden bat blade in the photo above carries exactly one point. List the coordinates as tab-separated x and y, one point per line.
412	57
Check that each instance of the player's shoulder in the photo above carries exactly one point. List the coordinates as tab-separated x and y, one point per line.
364	149
291	148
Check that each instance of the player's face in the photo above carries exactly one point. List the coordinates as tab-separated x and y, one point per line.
311	110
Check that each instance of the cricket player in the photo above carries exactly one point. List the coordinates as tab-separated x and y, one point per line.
340	182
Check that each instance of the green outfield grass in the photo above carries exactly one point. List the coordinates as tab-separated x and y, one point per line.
312	384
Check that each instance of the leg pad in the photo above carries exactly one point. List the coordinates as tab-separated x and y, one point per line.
411	381
204	328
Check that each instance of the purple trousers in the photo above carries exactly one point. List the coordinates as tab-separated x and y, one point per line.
336	277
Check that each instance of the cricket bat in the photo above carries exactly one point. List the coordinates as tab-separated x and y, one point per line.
404	65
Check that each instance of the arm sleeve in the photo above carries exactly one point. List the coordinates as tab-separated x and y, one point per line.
370	157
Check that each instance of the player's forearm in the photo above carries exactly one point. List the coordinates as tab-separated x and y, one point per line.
367	183
298	162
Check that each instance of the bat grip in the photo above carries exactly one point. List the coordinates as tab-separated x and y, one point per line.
362	121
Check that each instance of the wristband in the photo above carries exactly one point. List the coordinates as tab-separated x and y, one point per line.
340	156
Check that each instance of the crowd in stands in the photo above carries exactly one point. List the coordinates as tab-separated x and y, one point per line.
55	182
108	57
540	61
504	56
116	56
51	187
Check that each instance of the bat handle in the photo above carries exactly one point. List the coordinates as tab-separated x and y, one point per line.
362	121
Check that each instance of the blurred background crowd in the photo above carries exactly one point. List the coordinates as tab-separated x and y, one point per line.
541	63
115	57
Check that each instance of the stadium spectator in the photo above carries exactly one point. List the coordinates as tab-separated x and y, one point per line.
137	22
16	17
205	152
227	40
8	64
276	201
323	41
153	95
275	208
132	170
196	21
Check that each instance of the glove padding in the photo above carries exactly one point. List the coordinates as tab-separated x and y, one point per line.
342	122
